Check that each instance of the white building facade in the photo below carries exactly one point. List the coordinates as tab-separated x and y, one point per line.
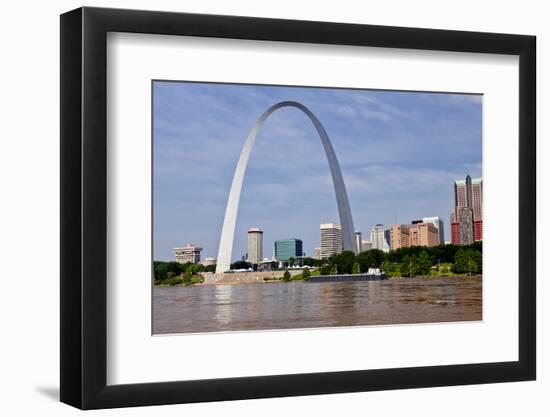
255	245
358	242
188	253
379	238
331	239
366	245
438	223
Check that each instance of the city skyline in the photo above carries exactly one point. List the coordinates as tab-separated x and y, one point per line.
398	152
256	255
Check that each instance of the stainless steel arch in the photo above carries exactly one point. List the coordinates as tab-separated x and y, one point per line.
228	229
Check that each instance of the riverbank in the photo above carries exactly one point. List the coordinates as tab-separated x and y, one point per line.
259	277
275	277
457	276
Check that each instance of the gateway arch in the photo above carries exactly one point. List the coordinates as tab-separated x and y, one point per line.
230	219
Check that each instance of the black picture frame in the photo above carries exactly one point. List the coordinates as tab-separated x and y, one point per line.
84	207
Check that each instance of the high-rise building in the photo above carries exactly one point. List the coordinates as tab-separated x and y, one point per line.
477	207
438	223
462	226
468	211
188	253
209	261
455	230
477	198
387	238
399	236
463	192
478	230
366	245
255	245
465	218
317	252
358	242
331	239
288	248
380	238
416	234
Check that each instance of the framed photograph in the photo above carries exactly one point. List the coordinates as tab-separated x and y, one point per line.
257	208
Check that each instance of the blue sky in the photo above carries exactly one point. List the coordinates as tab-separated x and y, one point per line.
399	153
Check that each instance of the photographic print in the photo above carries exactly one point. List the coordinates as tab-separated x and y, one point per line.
291	207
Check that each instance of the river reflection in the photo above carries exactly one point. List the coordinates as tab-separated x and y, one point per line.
301	305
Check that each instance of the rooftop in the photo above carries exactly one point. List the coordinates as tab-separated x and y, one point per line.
330	226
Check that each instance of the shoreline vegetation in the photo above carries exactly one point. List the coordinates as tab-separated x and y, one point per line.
413	262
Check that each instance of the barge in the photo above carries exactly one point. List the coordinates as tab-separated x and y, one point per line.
373	274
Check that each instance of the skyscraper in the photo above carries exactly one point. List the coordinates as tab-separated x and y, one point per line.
477	207
188	253
438	223
317	252
463	192
366	245
455	230
255	245
358	242
463	231
416	234
399	236
331	239
467	216
380	238
288	248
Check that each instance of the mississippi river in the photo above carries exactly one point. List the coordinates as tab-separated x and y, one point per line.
214	308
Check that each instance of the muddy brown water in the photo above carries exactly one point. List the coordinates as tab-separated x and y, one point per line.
214	308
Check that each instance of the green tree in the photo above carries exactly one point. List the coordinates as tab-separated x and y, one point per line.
366	260
356	269
460	264
307	261
160	269
424	263
409	266
379	256
286	276
343	261
310	262
478	258
241	265
193	269
472	265
477	246
467	261
405	266
306	274
176	267
334	270
325	269
291	261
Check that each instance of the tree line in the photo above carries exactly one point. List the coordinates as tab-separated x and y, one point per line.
174	273
405	262
408	262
